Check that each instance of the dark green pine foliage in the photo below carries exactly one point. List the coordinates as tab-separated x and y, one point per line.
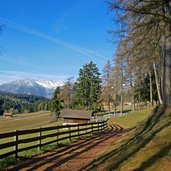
55	104
88	87
1	109
22	103
142	90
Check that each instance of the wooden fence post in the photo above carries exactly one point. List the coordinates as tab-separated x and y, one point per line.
39	141
92	128
104	125
98	127
86	129
57	136
78	131
70	133
16	144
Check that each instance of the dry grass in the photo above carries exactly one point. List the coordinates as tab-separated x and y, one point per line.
146	147
24	121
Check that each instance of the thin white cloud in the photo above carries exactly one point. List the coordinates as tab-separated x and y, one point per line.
23	63
94	53
56	68
86	52
7	76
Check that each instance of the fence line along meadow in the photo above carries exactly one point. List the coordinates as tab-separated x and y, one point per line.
13	143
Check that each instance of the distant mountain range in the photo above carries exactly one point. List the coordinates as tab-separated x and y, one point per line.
44	88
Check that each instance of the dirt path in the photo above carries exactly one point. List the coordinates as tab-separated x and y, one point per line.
73	157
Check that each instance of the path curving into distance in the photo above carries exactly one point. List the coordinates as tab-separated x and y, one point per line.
74	157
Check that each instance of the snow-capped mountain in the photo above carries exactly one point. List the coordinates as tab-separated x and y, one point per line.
49	84
43	88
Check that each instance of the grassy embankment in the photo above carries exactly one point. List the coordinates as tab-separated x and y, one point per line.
146	144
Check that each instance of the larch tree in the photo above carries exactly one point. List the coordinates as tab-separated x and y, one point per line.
119	71
107	85
66	93
150	22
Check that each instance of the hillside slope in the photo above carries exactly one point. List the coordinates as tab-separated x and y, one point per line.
18	103
146	147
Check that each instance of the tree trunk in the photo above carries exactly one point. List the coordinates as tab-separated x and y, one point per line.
151	89
139	101
167	71
122	68
109	103
157	84
121	111
132	94
167	55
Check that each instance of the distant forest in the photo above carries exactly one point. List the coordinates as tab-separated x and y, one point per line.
22	103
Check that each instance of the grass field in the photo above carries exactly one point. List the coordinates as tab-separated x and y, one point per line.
118	108
29	121
24	121
131	119
146	146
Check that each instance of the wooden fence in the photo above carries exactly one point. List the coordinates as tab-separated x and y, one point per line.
20	140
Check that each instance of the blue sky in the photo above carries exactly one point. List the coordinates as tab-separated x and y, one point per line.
53	39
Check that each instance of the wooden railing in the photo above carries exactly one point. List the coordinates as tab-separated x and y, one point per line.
13	143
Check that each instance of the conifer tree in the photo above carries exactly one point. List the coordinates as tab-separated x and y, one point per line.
1	110
55	104
88	87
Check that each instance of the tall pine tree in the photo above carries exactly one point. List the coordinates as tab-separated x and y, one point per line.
55	104
88	87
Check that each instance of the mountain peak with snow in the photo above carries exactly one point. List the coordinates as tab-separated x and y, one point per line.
49	84
43	88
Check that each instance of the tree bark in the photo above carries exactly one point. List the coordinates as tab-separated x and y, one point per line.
167	71
109	103
121	111
132	94
167	55
151	89
157	84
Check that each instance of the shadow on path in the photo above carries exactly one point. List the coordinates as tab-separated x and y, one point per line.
63	155
135	144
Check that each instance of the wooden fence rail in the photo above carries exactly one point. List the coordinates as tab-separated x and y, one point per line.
22	140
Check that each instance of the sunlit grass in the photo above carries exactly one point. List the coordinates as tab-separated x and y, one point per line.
25	121
131	119
35	151
147	147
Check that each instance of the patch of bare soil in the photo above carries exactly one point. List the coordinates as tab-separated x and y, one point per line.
73	157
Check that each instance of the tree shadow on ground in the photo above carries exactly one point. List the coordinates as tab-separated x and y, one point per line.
164	151
62	155
135	144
